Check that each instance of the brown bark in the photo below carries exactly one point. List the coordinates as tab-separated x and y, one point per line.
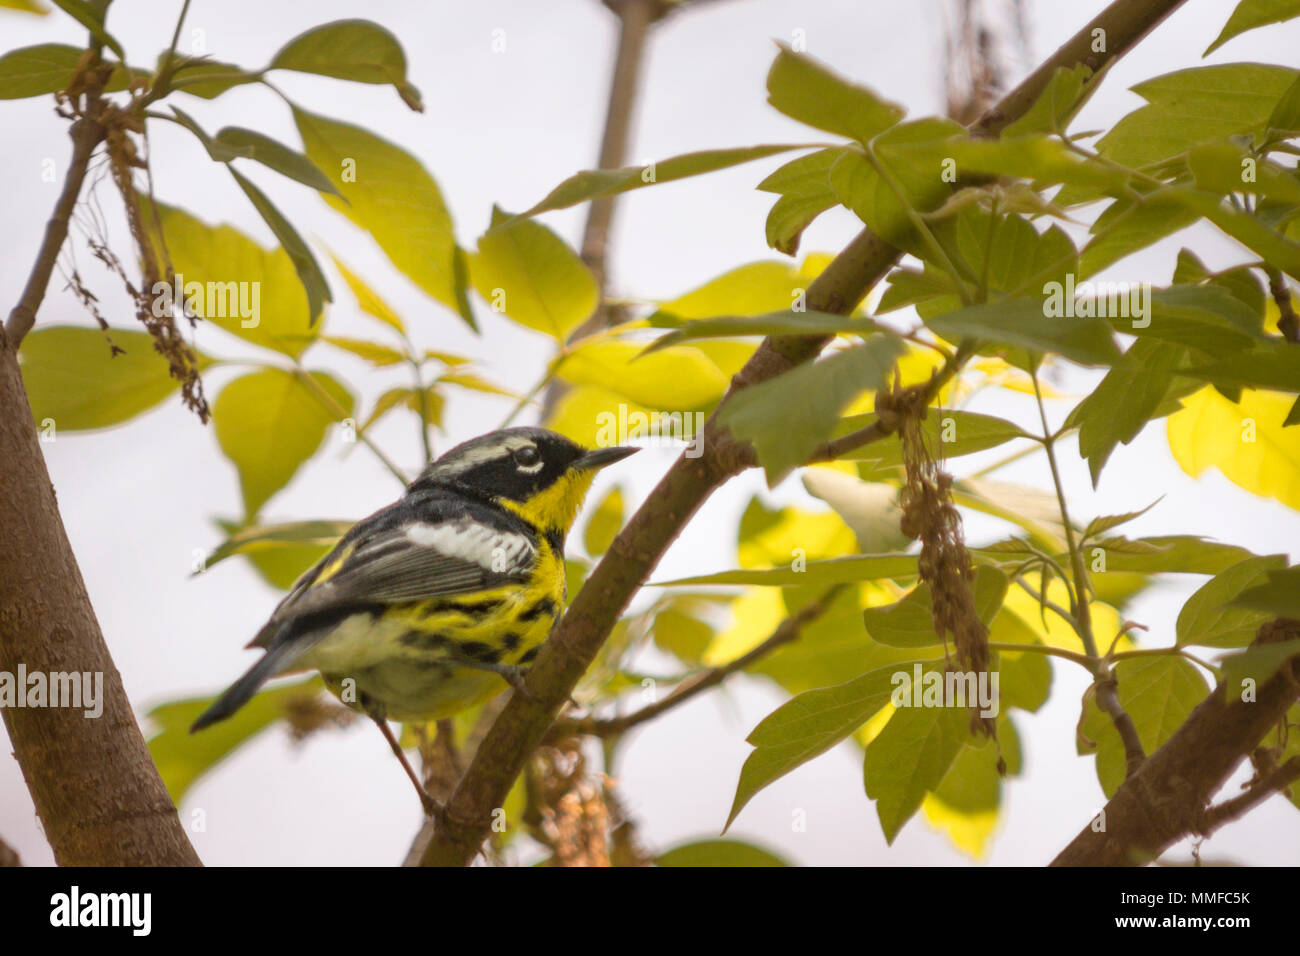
1165	799
95	786
96	789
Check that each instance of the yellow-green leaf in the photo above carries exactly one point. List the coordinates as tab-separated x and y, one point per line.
249	291
803	89
390	194
1250	14
183	757
528	272
726	853
356	50
270	421
367	299
74	381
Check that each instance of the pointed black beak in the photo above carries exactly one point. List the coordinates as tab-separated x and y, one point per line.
600	457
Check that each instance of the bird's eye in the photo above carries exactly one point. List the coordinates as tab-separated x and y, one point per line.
528	455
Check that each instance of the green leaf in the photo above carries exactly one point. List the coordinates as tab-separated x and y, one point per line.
1250	14
596	183
912	156
528	272
805	193
1128	225
1225	168
771	323
909	759
1065	94
1207	620
1279	594
269	422
73	380
948	433
1193	106
785	418
367	299
858	567
605	522
728	853
1133	392
1025	323
280	564
1267	365
253	539
1105	522
386	191
92	18
376	354
1256	664
803	89
1158	693
1286	114
356	50
910	622
208	79
236	272
37	70
1180	553
807	726
304	262
253	145
183	758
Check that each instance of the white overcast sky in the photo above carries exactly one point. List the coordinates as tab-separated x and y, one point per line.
505	128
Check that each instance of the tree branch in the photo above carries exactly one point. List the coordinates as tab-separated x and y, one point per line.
1260	790
1165	799
1288	323
786	632
1108	701
689	482
87	133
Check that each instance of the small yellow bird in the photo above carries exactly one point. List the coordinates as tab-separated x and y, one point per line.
422	609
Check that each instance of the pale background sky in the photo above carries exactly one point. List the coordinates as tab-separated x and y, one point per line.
505	128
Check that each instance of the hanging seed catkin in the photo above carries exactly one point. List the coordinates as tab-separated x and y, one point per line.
930	515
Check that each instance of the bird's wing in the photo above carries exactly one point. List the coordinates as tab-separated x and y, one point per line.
395	557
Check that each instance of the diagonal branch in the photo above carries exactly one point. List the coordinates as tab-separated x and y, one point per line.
1261	790
87	133
1164	801
689	482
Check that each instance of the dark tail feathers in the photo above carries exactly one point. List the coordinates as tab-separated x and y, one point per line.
237	695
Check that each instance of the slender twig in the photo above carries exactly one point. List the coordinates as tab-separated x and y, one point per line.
1107	687
786	632
636	19
1288	322
87	133
1281	778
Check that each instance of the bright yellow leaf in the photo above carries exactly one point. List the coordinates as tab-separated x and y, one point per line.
1245	441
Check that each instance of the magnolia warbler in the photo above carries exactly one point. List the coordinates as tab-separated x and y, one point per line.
423	608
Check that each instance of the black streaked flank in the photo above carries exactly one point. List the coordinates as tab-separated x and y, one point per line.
543	608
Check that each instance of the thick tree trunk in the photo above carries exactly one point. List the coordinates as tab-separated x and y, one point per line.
95	787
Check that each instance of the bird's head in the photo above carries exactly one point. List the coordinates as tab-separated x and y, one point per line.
538	474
